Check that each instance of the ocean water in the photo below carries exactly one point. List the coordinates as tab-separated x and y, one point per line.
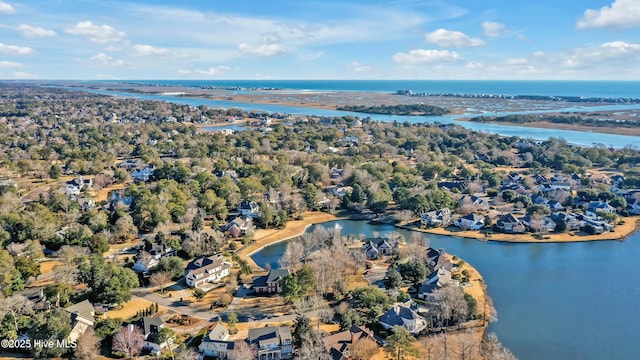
609	89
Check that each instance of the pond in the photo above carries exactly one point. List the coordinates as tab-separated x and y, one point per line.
554	301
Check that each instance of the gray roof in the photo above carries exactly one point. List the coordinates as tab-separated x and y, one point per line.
397	313
276	274
84	309
150	323
269	334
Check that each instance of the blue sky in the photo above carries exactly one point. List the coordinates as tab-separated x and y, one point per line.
346	39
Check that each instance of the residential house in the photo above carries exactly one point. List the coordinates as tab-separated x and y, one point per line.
119	198
454	185
145	262
555	206
270	283
272	342
595	206
374	248
215	343
82	318
403	314
441	217
509	224
340	191
571	220
143	174
205	270
470	222
478	202
336	173
436	280
249	209
151	327
544	224
240	226
436	259
339	344
128	164
634	207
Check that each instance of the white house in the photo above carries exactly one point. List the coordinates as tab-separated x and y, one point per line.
249	209
207	270
470	222
215	343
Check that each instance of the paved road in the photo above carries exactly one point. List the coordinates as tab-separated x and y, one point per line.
174	303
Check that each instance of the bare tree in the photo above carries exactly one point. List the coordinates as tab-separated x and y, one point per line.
87	346
292	255
435	347
129	341
451	305
242	350
15	305
160	279
492	349
189	354
466	347
364	349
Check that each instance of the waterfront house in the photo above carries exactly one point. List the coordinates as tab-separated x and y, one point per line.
470	222
509	224
478	202
270	283
441	217
595	206
272	342
215	343
436	259
205	270
374	248
436	280
403	314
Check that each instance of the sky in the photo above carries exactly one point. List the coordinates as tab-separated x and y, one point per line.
345	39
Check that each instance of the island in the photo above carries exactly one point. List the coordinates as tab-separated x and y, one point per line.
413	109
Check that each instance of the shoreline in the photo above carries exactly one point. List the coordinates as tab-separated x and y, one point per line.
620	233
570	127
292	229
296	228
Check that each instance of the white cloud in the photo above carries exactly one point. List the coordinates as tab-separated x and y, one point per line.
419	56
10	64
538	54
449	38
261	49
359	67
492	29
108	60
36	32
621	46
149	50
184	71
621	13
6	8
15	50
518	61
101	34
217	70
